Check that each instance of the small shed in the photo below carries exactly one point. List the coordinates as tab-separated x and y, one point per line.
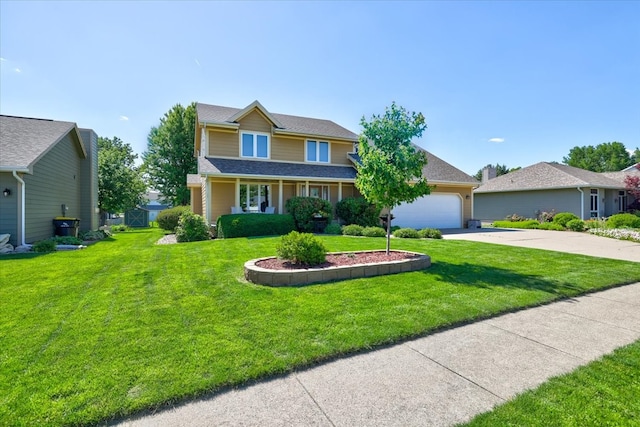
137	217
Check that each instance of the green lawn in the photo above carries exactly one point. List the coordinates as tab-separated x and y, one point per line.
603	393
125	325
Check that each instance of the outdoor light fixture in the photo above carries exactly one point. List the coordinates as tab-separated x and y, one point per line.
6	192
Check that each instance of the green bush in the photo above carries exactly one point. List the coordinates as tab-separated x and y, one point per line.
66	240
94	235
303	209
301	248
576	225
44	246
430	233
395	228
191	228
356	210
247	225
623	220
406	233
168	218
530	224
333	228
352	230
563	218
547	216
551	226
119	228
374	232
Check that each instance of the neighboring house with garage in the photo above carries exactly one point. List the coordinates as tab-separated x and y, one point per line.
253	160
546	187
48	168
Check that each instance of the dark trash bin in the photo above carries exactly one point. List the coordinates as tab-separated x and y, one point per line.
66	226
319	224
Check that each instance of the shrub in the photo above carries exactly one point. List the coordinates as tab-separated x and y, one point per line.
44	246
546	216
356	210
563	218
515	218
119	228
623	220
430	233
94	235
303	209
395	228
301	248
191	228
529	224
168	218
576	225
66	240
406	233
374	232
551	226
333	228
352	230
247	225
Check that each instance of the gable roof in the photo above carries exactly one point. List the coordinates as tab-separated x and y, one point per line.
284	124
436	170
547	176
24	140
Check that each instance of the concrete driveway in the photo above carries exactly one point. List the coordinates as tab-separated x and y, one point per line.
561	241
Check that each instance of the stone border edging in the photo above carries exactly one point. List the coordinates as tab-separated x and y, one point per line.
263	276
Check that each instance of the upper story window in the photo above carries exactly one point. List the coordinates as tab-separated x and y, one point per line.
317	151
254	144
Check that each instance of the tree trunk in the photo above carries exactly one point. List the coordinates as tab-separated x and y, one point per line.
388	231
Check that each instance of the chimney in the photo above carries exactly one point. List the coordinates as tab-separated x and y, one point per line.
489	172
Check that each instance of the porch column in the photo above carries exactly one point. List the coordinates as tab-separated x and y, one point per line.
207	190
237	197
306	188
339	190
280	196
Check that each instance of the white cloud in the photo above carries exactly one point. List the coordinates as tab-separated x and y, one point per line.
17	70
124	119
197	62
497	140
2	59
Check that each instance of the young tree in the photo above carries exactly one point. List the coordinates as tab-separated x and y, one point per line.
632	184
390	168
120	184
606	157
169	156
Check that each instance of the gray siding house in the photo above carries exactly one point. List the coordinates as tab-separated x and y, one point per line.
546	187
48	168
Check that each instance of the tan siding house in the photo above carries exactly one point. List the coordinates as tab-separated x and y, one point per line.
252	160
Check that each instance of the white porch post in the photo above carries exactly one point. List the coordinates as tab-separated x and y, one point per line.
237	198
306	188
280	197
207	190
339	190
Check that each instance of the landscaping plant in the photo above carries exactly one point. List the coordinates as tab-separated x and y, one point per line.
247	225
576	225
301	248
333	228
430	233
563	218
168	218
352	230
191	228
356	210
623	220
406	233
44	246
374	232
304	209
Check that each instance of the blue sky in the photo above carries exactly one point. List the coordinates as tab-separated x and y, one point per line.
508	82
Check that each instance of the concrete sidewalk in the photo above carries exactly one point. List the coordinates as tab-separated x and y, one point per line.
438	380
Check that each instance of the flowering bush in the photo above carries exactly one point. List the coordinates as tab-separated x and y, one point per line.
617	233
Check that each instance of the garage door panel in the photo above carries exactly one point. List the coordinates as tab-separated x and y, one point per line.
432	211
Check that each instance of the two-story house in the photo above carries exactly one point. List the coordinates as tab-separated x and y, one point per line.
252	160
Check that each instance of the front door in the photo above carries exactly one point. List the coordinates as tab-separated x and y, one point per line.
594	203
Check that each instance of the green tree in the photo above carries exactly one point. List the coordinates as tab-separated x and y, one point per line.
606	157
390	168
169	156
120	183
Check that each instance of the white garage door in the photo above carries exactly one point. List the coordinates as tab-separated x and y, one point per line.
432	211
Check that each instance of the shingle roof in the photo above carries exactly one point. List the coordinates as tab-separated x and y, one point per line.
544	175
221	166
290	124
24	140
437	170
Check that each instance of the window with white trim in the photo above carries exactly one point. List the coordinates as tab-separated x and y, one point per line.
317	151
255	197
318	191
254	144
622	201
